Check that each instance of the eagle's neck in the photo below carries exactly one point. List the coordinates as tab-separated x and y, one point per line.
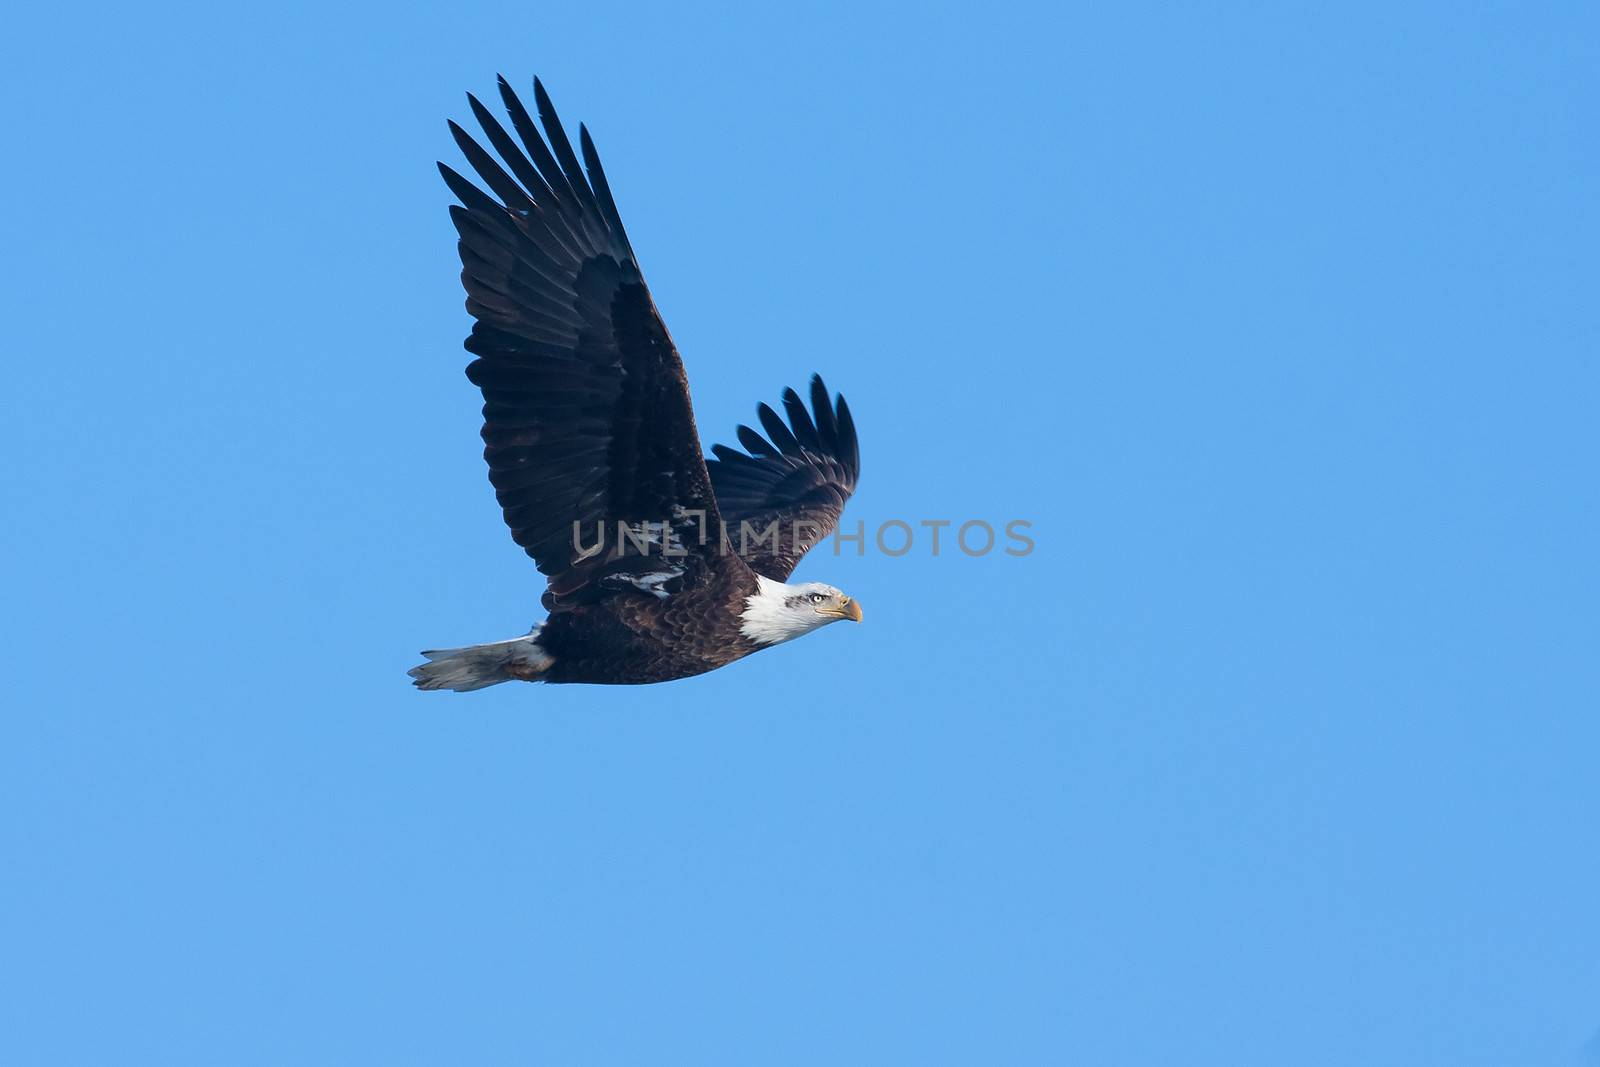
776	612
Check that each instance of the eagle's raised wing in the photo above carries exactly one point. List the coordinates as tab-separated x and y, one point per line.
800	480
586	415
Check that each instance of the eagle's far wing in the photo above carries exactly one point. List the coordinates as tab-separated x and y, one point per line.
798	480
586	415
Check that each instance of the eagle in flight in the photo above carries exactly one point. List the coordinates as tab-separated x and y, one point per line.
659	563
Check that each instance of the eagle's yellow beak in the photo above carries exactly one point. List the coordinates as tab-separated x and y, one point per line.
847	609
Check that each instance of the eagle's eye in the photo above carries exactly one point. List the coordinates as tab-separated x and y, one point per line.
817	598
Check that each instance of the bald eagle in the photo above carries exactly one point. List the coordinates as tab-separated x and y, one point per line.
659	563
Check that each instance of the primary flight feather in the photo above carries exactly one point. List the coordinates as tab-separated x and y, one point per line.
659	564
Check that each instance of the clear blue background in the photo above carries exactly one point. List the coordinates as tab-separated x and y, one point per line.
1278	321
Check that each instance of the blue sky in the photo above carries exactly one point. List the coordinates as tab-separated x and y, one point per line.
1278	322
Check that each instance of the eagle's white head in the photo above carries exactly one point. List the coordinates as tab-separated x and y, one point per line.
780	612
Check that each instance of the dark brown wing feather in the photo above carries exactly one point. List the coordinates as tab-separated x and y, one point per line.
798	476
586	415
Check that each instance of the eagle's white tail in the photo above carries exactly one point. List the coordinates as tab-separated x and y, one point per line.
478	666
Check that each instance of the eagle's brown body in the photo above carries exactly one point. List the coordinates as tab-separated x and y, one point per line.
632	639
